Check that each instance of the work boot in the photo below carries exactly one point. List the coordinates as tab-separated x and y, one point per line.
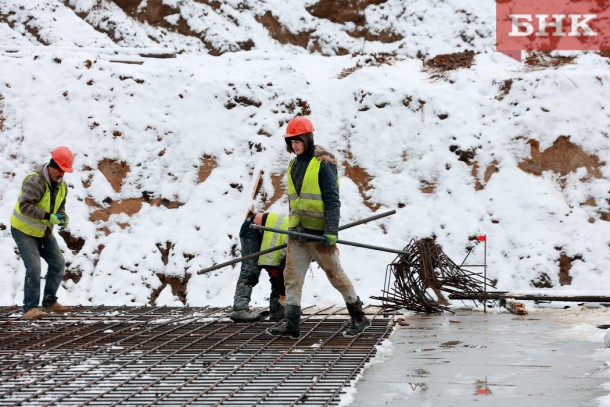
359	322
276	310
58	308
277	315
34	313
245	315
291	328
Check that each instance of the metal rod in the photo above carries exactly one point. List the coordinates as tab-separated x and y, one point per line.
506	295
282	246
234	261
320	238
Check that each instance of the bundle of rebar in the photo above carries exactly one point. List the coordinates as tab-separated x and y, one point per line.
412	278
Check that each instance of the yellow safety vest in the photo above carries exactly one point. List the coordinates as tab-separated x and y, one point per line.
272	239
36	227
307	207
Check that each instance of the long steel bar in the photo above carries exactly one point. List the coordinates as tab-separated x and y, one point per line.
530	297
320	238
282	246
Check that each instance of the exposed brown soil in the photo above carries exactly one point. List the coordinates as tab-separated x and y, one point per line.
378	59
544	59
565	264
71	274
463	155
504	89
542	281
74	243
449	62
281	34
154	14
343	11
127	206
562	158
361	178
178	285
114	171
277	180
427	187
352	11
208	163
489	171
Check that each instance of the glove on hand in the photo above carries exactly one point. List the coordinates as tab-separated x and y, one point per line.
57	218
329	240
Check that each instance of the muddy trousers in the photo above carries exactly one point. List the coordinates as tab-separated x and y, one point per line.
298	259
250	272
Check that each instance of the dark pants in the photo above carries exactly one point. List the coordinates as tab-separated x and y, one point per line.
31	250
249	274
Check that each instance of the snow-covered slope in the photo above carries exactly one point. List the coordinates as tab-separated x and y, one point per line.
173	123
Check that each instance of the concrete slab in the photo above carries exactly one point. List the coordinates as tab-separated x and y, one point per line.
551	357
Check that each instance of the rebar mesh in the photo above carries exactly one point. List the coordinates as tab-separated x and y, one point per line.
412	279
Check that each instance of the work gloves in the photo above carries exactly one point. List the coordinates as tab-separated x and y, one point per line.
329	240
59	219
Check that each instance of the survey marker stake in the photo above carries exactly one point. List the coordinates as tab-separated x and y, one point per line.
280	247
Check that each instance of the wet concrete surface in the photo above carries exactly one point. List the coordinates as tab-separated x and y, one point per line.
472	358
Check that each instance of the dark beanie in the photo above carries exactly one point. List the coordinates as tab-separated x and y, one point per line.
53	164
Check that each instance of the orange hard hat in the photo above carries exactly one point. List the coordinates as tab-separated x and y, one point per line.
64	158
297	126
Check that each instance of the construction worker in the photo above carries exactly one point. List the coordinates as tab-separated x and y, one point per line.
313	195
41	206
253	241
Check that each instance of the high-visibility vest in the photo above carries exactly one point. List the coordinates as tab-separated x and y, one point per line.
307	206
272	239
35	227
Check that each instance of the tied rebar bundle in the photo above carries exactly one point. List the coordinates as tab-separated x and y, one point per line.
411	278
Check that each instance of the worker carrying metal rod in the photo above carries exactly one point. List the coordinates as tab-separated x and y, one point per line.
313	196
284	245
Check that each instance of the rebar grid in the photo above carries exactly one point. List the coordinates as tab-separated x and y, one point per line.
178	356
410	279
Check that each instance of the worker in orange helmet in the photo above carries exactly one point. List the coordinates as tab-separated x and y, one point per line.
313	195
41	206
253	241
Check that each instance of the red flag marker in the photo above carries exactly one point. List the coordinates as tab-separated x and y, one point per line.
482	238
